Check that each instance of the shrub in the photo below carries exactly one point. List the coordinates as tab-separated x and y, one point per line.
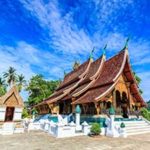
95	129
25	113
122	125
145	113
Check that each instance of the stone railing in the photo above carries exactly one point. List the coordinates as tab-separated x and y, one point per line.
60	130
113	130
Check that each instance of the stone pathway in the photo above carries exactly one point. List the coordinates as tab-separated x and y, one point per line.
42	141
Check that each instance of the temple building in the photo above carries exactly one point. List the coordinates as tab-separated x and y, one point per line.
96	86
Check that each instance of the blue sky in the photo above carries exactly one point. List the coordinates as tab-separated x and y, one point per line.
47	36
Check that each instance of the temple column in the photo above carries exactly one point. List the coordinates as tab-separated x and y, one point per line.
73	106
41	109
64	111
129	95
51	106
101	107
114	98
44	109
97	107
84	108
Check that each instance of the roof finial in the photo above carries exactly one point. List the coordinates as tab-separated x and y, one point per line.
104	49
91	54
126	43
65	73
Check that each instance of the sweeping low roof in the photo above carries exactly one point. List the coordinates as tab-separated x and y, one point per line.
94	79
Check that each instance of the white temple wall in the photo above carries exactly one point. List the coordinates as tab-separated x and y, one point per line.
2	113
17	114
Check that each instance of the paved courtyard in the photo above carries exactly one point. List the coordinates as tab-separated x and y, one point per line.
42	141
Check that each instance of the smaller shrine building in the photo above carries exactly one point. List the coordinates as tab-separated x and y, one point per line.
11	106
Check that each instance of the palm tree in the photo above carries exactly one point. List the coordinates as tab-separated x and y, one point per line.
2	82
2	86
10	76
21	82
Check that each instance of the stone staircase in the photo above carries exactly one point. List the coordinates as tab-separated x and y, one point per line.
7	128
136	127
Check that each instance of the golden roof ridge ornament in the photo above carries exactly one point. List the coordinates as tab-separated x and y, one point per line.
104	50
126	43
91	54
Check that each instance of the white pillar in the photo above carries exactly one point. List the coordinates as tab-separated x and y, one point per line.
112	131
85	128
2	113
112	118
77	120
78	112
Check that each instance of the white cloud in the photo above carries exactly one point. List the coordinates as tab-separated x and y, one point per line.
24	57
145	84
64	33
67	38
19	57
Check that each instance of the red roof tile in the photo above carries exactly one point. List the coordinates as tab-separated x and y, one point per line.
75	74
135	92
105	75
110	69
59	92
94	71
94	68
92	94
79	88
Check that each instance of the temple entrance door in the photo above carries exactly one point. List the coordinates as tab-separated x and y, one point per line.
9	114
125	105
125	112
61	108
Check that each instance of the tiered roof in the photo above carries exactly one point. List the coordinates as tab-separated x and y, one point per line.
104	82
12	98
93	80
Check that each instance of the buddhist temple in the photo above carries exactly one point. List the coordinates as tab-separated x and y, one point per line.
96	86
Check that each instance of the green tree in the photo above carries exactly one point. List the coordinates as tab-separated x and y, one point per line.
138	80
25	113
39	89
10	76
145	113
21	82
148	105
3	86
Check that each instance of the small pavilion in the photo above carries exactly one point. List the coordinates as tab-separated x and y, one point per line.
11	106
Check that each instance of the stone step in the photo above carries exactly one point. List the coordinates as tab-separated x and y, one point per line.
4	132
137	127
7	129
79	134
130	122
134	124
139	132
